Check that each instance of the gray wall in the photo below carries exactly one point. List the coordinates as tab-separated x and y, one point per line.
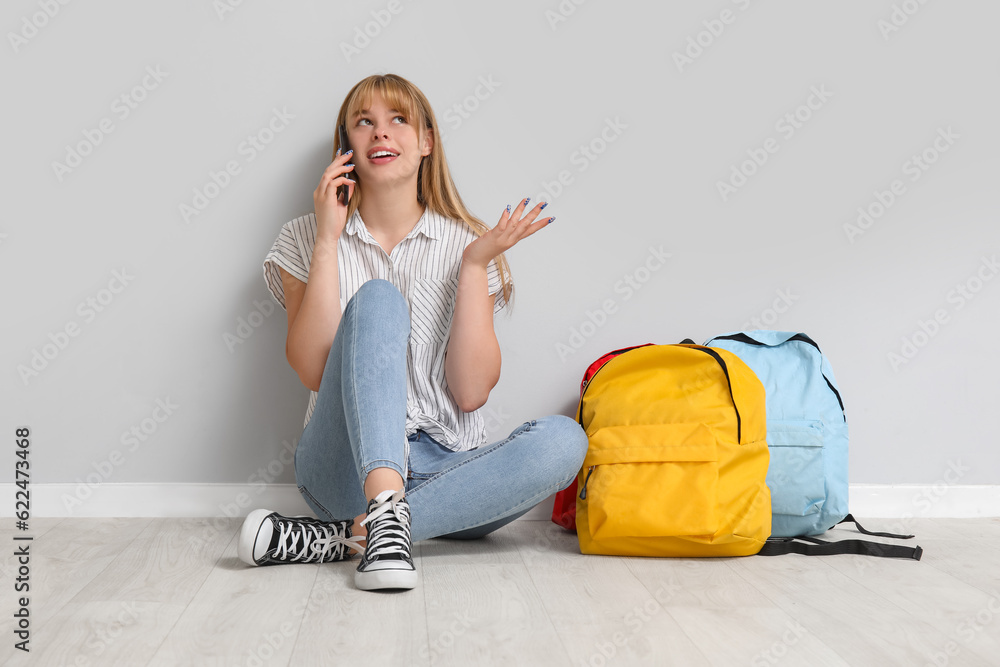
663	136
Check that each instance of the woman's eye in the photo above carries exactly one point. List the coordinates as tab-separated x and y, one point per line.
363	120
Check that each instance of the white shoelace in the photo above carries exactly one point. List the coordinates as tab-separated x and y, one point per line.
390	521
320	542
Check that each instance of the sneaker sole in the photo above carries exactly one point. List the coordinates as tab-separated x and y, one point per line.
248	536
378	579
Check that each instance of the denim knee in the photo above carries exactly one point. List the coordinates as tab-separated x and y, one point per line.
382	290
569	439
381	300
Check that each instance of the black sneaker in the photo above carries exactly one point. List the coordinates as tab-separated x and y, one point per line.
267	538
386	562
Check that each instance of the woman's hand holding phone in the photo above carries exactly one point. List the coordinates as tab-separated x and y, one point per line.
331	213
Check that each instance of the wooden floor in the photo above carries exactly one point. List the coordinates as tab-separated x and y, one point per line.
172	592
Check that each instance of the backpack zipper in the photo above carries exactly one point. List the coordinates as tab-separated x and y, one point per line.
743	338
583	491
586	383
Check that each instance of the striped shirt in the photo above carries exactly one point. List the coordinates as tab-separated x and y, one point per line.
424	265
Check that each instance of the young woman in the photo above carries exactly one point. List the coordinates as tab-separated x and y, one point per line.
390	299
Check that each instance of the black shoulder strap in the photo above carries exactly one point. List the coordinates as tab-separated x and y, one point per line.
778	546
850	519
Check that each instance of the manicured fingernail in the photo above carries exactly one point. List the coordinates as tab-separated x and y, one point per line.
338	151
544	205
349	152
526	200
351	164
552	218
508	208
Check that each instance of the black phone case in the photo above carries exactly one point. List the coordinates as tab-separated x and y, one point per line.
343	192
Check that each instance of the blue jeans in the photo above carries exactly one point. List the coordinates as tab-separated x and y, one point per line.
359	423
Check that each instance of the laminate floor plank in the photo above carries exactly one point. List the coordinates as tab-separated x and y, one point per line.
167	562
723	612
497	548
36	526
102	633
966	552
123	613
490	614
9	563
241	615
604	613
753	636
936	598
698	582
485	613
863	626
63	560
343	625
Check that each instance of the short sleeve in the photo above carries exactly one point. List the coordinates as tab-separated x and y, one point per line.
286	253
493	279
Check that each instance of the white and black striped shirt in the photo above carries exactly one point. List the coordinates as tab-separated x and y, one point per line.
424	266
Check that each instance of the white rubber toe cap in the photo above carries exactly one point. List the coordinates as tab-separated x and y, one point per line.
255	537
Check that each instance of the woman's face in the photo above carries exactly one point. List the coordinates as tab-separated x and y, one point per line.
378	129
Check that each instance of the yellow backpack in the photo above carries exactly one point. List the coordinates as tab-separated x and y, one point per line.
677	462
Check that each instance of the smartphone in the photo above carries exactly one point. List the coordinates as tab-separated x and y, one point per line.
343	192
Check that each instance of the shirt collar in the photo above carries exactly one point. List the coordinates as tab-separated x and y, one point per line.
430	225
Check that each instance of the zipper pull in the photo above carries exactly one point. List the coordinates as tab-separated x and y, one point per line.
583	491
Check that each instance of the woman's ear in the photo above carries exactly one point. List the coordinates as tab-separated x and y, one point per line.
428	142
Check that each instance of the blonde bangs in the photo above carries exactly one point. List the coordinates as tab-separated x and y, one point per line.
393	93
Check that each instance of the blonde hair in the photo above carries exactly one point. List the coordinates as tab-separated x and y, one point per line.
435	187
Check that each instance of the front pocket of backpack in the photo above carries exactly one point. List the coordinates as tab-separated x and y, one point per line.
656	480
795	473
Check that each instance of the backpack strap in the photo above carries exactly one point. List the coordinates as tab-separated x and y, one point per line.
850	519
778	546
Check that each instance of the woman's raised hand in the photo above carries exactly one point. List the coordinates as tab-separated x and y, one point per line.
331	214
509	230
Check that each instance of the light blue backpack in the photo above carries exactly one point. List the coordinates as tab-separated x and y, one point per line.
807	441
806	429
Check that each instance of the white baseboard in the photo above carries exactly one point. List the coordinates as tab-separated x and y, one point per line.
904	501
898	501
